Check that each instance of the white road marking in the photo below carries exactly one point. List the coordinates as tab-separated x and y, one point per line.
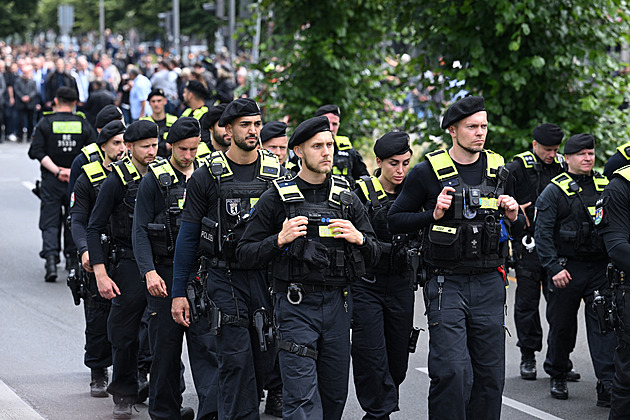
13	407
517	405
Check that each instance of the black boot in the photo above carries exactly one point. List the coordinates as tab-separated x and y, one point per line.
559	388
143	386
51	269
122	408
273	405
71	262
98	386
573	376
603	395
528	365
187	413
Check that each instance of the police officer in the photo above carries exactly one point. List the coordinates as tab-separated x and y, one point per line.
157	101
575	259
347	161
156	222
618	160
532	170
461	198
219	139
612	218
114	207
382	314
58	138
273	137
218	197
98	350
195	96
317	237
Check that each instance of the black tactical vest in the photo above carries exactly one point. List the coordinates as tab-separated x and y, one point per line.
342	161
121	220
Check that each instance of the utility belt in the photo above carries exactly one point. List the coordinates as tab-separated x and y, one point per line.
159	260
605	302
437	271
215	262
394	255
125	253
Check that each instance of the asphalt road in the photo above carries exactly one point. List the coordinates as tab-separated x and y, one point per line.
42	335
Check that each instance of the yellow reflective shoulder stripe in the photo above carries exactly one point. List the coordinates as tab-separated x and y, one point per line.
67	127
600	182
200	112
527	158
442	164
493	162
94	171
90	150
187	112
288	190
624	149
624	172
269	165
289	165
337	171
376	185
562	181
126	171
147	118
219	156
339	184
343	142
202	151
170	119
80	114
163	167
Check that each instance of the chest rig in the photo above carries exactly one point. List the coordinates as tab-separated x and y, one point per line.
96	174
92	152
316	258
234	203
468	237
165	227
575	234
342	161
121	220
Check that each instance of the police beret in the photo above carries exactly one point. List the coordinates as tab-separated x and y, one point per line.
273	129
461	109
183	128
241	107
197	88
579	142
211	117
308	129
328	109
67	94
392	143
548	134
111	129
140	130
156	92
107	114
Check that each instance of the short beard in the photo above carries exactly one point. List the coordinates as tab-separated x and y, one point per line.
314	168
468	149
243	145
220	140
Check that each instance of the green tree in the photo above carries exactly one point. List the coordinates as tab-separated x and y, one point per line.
16	17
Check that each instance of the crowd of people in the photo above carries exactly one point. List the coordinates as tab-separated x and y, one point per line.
190	217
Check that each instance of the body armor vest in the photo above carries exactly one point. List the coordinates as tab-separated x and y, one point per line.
197	113
165	227
121	220
575	234
96	174
468	236
93	152
624	149
342	162
236	199
316	258
170	120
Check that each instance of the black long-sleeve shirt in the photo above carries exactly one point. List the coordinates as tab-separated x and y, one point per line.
615	224
82	203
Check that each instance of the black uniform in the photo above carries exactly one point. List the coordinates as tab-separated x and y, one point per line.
620	159
156	222
465	293
382	316
532	176
114	207
613	223
566	239
164	125
236	291
59	135
310	278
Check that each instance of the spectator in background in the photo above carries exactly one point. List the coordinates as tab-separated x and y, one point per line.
27	101
110	72
57	79
225	85
98	99
40	72
81	75
9	111
3	93
138	94
97	75
166	80
122	97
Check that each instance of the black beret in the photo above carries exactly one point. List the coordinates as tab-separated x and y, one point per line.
461	109
392	143
579	142
183	128
140	130
308	129
328	109
197	88
241	107
273	129
111	129
156	92
67	94
548	134
107	114
210	118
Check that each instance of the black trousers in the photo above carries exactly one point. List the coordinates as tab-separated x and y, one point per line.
382	319
562	309
243	368
98	349
52	217
531	278
620	404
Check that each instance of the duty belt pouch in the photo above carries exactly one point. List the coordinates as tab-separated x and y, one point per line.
472	246
445	242
209	242
491	236
158	238
356	265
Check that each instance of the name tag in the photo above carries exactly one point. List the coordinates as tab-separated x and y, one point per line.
444	229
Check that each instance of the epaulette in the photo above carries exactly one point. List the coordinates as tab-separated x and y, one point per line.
126	171
164	173
372	190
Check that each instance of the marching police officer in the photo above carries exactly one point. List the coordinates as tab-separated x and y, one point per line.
157	101
273	137
612	218
195	96
58	138
218	197
219	139
113	210
156	222
98	349
317	237
461	198
532	170
574	256
382	314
